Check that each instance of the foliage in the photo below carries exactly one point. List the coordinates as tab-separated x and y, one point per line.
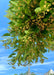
31	30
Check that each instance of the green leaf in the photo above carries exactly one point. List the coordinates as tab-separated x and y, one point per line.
15	3
6	34
38	10
45	19
14	67
28	1
11	55
26	31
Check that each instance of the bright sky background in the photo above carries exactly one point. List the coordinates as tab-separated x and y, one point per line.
6	69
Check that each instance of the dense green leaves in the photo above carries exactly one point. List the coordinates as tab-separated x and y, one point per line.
31	30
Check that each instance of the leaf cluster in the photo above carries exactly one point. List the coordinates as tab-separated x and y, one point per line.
31	30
